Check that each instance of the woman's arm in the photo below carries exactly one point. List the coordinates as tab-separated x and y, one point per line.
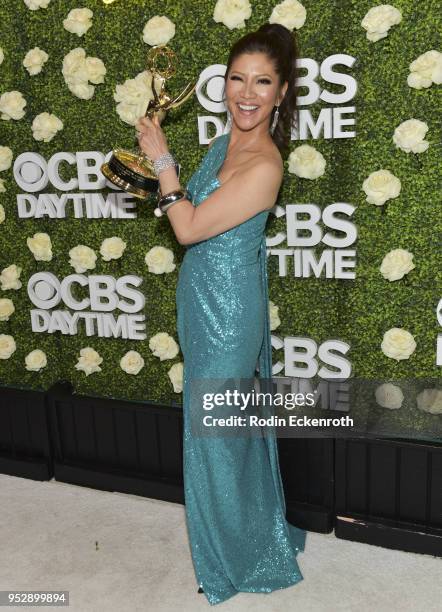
243	196
169	181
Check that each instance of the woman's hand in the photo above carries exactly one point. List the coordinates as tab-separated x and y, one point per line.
151	138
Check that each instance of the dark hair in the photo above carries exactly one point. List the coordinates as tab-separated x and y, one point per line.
280	45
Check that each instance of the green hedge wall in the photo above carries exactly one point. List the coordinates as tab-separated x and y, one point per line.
358	312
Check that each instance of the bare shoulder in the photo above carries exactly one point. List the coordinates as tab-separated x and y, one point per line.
269	162
269	168
276	155
260	177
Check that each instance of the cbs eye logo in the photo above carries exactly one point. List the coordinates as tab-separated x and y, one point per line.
209	91
210	88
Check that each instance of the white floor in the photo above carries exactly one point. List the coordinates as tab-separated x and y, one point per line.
49	530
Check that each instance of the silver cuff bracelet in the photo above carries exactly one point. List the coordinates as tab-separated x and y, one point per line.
170	199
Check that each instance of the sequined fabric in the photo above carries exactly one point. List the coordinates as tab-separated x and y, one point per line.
234	500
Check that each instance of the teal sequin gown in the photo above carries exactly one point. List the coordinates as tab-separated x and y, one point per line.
239	537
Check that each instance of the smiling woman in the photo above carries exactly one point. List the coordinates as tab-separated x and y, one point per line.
235	507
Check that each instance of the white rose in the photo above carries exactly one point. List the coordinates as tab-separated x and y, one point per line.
9	277
40	246
80	87
409	136
132	362
82	90
232	13
159	260
45	126
381	186
430	400
396	264
74	63
79	69
133	96
379	19
306	162
12	104
425	70
95	69
34	60
2	56
82	258
2	213
36	360
5	158
398	343
112	248
275	321
34	5
6	309
289	13
89	361
2	186
163	346
389	396
7	346
78	21
176	376
158	30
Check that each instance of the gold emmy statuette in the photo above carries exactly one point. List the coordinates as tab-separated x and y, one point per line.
132	170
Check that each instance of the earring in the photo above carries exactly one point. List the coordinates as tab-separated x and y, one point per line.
275	120
229	121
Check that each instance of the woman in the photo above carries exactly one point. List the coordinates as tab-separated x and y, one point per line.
235	506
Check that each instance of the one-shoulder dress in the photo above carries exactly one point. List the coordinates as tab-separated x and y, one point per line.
235	508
